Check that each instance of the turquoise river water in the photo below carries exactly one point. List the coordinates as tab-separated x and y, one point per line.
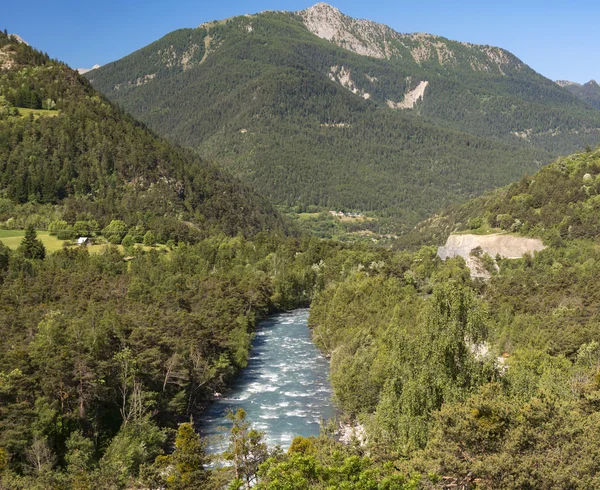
285	389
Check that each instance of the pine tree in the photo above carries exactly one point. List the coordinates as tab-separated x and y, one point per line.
31	247
149	239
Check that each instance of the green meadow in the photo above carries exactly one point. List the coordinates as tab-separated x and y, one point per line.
12	239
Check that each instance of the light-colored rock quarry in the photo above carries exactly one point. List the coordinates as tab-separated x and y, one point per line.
507	246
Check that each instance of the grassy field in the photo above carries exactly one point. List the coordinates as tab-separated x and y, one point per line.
24	112
12	239
37	112
354	219
343	219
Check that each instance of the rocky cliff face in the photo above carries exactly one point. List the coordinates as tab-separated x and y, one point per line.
363	37
369	38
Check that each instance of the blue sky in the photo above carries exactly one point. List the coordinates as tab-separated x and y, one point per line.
561	40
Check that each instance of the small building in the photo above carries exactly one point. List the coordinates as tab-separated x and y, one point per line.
83	241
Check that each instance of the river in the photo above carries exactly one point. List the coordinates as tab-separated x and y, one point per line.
285	389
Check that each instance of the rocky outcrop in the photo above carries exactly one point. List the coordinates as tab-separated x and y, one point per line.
341	75
358	36
19	39
507	246
369	38
567	83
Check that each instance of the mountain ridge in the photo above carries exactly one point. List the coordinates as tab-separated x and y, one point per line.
308	122
369	38
588	92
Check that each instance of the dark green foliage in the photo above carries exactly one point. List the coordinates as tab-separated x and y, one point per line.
254	94
456	382
588	92
543	442
517	411
93	345
31	247
4	259
407	360
557	203
103	165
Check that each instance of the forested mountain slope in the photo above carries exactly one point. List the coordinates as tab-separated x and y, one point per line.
104	352
61	142
556	203
588	92
399	124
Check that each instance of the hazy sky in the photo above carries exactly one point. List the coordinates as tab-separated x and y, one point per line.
559	39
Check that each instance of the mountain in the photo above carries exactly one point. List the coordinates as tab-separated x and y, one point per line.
314	107
63	143
81	71
588	92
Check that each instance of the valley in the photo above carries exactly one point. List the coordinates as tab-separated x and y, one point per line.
327	255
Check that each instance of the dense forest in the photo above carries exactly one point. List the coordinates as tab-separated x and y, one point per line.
556	203
102	356
99	163
264	97
453	379
108	357
489	384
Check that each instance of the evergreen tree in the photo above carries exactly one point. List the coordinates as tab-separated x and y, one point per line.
31	246
4	256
